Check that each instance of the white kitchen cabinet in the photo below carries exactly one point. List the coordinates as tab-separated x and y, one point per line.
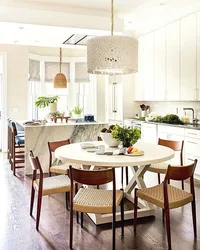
139	79
192	148
148	67
188	57
173	62
198	57
159	64
149	133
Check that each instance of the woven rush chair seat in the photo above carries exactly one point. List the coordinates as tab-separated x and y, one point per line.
177	197
54	184
63	168
95	200
159	168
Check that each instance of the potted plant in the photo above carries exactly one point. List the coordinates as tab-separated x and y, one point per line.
77	112
128	136
106	136
43	102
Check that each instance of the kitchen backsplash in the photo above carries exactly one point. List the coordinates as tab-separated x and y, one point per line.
164	108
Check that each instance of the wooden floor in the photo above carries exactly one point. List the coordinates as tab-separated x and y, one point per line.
17	228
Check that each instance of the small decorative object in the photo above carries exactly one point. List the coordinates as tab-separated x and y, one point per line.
60	80
77	112
128	136
107	137
112	54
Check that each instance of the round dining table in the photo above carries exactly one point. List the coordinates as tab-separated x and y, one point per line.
138	164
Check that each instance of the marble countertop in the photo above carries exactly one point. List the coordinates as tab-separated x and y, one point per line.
189	126
61	124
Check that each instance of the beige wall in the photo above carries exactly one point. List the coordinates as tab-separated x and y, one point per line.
17	81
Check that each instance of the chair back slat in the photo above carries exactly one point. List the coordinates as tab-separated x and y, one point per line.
14	129
175	145
89	177
34	161
180	173
54	145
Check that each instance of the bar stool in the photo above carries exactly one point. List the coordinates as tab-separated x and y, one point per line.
17	149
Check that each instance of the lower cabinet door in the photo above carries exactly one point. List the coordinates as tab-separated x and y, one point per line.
189	159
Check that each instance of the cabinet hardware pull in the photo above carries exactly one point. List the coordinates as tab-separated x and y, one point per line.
192	142
190	159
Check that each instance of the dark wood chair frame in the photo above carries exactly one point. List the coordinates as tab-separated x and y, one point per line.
52	147
122	170
179	174
176	146
88	177
35	164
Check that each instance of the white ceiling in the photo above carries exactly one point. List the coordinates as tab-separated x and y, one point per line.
140	17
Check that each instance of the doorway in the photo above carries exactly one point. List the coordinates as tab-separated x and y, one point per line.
3	102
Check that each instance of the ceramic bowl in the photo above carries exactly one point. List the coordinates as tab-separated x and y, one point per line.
109	140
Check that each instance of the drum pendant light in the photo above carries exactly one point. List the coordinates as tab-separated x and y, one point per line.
112	54
60	80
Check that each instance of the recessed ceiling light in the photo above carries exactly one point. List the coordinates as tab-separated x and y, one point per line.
36	41
129	22
16	41
21	28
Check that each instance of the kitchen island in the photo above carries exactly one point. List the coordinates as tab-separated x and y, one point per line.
36	138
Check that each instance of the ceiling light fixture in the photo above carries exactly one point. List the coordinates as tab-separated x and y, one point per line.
60	80
112	54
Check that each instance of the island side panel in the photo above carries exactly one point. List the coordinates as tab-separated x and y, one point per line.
36	139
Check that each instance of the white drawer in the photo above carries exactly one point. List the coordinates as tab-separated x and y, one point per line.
170	130
189	159
192	133
192	146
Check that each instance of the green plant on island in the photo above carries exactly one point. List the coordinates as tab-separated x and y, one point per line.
57	114
43	101
77	110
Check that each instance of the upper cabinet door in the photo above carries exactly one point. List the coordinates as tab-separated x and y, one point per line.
148	70
139	77
198	57
173	62
159	64
188	57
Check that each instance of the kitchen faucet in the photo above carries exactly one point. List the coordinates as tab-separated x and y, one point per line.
195	120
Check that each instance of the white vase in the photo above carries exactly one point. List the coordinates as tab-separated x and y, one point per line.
77	116
53	107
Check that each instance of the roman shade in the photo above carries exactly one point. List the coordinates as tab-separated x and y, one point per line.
52	68
81	74
34	70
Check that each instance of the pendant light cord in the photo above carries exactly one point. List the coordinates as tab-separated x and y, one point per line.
60	59
112	17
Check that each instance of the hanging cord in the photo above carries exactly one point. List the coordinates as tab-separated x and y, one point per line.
60	59
112	17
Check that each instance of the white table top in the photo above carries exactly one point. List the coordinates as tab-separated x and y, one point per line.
73	153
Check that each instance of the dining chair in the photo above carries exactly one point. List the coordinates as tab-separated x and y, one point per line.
45	186
161	168
122	169
63	168
97	201
16	156
168	197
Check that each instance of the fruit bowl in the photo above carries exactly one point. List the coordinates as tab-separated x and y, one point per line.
109	140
